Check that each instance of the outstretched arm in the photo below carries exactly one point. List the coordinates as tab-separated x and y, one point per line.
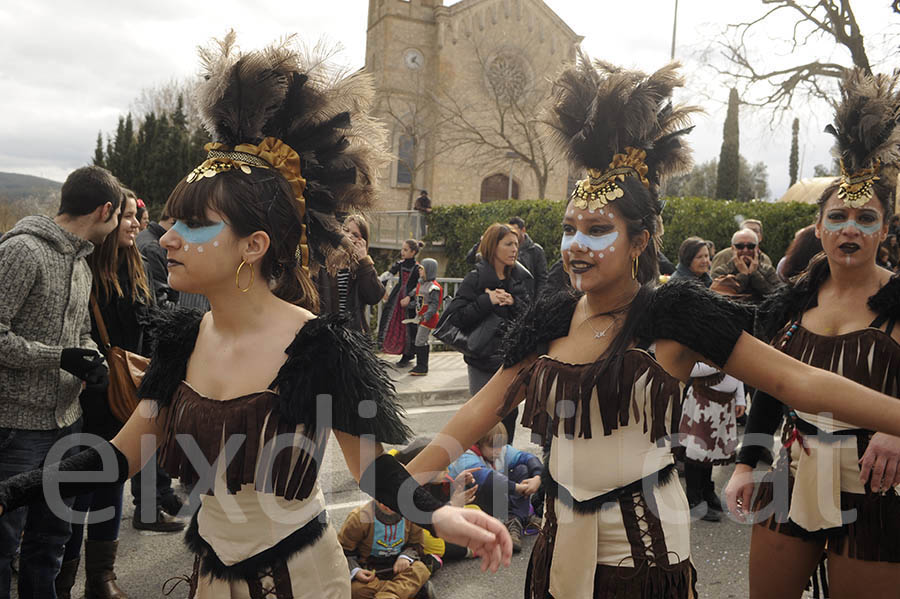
385	479
470	423
810	389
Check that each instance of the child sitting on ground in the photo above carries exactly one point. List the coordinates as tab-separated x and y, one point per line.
515	475
459	492
384	552
429	296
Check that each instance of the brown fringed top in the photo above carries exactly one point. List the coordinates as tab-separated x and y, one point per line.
562	392
260	447
870	357
703	385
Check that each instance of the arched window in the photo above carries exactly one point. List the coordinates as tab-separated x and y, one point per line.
405	158
496	187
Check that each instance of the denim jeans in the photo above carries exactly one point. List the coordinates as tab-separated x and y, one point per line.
45	534
107	529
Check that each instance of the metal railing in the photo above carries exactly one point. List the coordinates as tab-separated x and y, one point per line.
449	284
391	228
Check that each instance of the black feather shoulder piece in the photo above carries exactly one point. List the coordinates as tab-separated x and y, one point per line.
867	138
546	319
703	321
599	110
333	375
321	112
887	301
174	333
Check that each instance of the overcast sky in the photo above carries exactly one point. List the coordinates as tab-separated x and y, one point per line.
71	68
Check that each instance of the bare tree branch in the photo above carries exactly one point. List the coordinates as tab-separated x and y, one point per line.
828	19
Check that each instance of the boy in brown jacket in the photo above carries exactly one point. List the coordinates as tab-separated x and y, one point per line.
384	552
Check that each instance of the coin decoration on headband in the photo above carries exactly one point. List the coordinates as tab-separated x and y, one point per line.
601	187
856	188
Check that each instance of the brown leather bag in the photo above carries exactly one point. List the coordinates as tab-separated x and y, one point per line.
126	369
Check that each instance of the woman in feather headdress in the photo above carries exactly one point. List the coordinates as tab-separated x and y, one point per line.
599	367
835	486
259	381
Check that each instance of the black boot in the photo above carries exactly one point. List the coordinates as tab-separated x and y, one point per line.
404	362
710	495
99	564
421	367
65	580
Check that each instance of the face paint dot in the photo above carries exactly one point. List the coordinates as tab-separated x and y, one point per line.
186	247
611	215
612	248
600	255
580	217
215	244
591	254
200	248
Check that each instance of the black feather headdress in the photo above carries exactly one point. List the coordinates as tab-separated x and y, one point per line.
866	133
616	123
288	109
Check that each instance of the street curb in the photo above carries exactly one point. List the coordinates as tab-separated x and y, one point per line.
438	397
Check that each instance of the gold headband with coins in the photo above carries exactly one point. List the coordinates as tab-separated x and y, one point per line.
601	187
270	153
856	188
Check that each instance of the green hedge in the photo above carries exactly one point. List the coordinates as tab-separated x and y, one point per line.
718	219
461	226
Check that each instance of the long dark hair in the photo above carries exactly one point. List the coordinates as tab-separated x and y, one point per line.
106	259
260	201
800	253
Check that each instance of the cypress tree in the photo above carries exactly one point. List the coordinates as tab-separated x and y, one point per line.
98	151
728	176
795	151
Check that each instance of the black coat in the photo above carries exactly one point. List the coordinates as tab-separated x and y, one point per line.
472	305
126	322
532	257
155	263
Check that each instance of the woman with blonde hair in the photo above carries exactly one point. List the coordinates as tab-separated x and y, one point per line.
493	293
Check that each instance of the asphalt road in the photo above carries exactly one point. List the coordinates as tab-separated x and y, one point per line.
147	560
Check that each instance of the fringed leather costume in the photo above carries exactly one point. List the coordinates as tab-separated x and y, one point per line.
618	523
261	505
848	515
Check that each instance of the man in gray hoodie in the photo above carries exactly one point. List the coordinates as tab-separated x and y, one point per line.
46	358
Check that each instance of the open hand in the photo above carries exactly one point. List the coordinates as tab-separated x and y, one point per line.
739	491
486	536
880	464
463	488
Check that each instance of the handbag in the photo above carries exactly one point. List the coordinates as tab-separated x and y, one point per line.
474	343
126	369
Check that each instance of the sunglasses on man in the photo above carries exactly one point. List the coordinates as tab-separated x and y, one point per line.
745	246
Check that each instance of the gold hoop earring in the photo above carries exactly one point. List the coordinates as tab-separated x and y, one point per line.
237	277
634	268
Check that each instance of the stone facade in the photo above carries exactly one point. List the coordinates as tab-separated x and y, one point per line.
430	61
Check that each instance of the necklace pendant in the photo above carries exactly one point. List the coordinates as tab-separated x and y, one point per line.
600	335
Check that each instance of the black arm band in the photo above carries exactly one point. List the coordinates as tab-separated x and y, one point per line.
389	483
28	487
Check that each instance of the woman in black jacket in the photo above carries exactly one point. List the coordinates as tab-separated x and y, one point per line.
494	292
693	261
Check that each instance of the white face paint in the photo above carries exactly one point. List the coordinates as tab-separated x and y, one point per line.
596	243
186	247
578	282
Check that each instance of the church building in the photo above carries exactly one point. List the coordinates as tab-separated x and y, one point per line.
461	88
